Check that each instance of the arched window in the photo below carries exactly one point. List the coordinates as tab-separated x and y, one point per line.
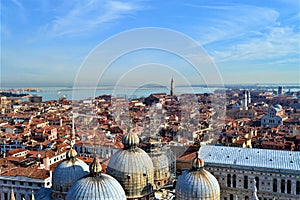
231	197
289	187
234	180
274	185
257	182
298	187
246	182
282	186
228	180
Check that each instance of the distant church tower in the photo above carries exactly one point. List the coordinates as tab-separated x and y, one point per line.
248	97
245	99
172	87
280	91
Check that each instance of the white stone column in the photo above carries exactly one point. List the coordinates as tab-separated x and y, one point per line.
293	186
285	189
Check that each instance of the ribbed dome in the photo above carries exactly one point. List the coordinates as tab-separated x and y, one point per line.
159	160
130	140
197	183
135	161
96	186
133	168
161	168
67	172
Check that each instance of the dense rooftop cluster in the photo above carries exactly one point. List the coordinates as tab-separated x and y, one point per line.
36	136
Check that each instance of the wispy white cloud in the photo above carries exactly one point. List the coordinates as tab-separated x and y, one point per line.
248	33
276	43
87	15
232	21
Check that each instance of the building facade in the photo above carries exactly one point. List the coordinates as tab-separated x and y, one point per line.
24	181
273	118
277	173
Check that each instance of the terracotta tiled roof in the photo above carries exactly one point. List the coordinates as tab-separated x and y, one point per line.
14	151
27	172
187	157
15	159
189	154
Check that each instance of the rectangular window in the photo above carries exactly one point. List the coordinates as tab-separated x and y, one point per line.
234	181
228	180
5	196
282	188
289	186
246	182
274	185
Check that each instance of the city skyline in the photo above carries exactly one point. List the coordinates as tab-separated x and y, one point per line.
45	42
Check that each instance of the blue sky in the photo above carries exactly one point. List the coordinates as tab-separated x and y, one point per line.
250	41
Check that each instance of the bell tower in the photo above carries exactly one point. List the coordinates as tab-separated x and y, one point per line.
172	87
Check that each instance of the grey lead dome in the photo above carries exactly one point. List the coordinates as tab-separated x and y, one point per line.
133	168
96	186
102	187
197	183
68	171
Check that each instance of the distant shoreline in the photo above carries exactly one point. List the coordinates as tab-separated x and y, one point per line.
79	93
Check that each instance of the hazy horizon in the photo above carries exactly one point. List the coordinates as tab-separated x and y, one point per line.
69	85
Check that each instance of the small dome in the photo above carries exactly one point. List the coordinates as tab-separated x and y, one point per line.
68	171
130	140
161	168
160	160
96	186
197	183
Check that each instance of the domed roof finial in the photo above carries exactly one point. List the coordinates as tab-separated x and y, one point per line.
197	163
130	140
71	155
32	195
95	167
12	194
